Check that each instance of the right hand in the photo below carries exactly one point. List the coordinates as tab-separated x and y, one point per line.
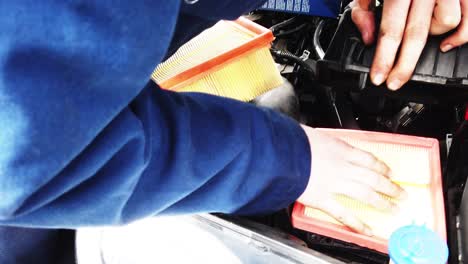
403	33
340	169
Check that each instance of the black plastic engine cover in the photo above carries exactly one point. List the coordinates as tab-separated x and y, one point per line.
438	76
463	225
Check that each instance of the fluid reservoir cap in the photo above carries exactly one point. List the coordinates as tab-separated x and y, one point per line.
415	244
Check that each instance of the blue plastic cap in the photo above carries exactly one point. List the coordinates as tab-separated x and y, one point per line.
417	245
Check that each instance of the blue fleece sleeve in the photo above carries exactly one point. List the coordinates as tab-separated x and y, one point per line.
83	140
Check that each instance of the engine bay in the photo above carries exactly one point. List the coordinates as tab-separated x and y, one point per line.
325	66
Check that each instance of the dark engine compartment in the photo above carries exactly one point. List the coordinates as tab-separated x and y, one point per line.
326	67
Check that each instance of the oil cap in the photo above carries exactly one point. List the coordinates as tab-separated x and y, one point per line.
415	244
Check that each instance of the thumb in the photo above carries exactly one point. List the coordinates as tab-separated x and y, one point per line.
363	16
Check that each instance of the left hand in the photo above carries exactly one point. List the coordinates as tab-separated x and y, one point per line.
405	25
339	169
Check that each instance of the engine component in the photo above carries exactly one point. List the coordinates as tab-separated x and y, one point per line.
437	76
417	244
406	116
324	8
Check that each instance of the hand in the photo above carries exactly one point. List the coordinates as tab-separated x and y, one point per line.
338	168
406	24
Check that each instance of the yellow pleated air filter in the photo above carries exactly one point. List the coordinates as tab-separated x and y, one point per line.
416	167
230	59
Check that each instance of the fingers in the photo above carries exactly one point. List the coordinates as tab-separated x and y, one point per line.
369	170
367	160
344	216
460	37
363	16
446	16
414	40
367	195
377	182
390	35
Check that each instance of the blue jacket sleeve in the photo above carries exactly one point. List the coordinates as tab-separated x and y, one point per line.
84	140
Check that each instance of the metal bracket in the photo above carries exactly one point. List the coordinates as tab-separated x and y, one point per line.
448	142
305	55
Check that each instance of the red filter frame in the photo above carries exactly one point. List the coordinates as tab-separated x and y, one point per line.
260	37
435	205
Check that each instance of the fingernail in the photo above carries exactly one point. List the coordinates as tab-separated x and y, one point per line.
394	85
378	79
447	47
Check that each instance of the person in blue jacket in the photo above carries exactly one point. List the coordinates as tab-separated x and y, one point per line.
87	140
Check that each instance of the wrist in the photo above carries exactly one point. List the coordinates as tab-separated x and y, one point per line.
309	133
